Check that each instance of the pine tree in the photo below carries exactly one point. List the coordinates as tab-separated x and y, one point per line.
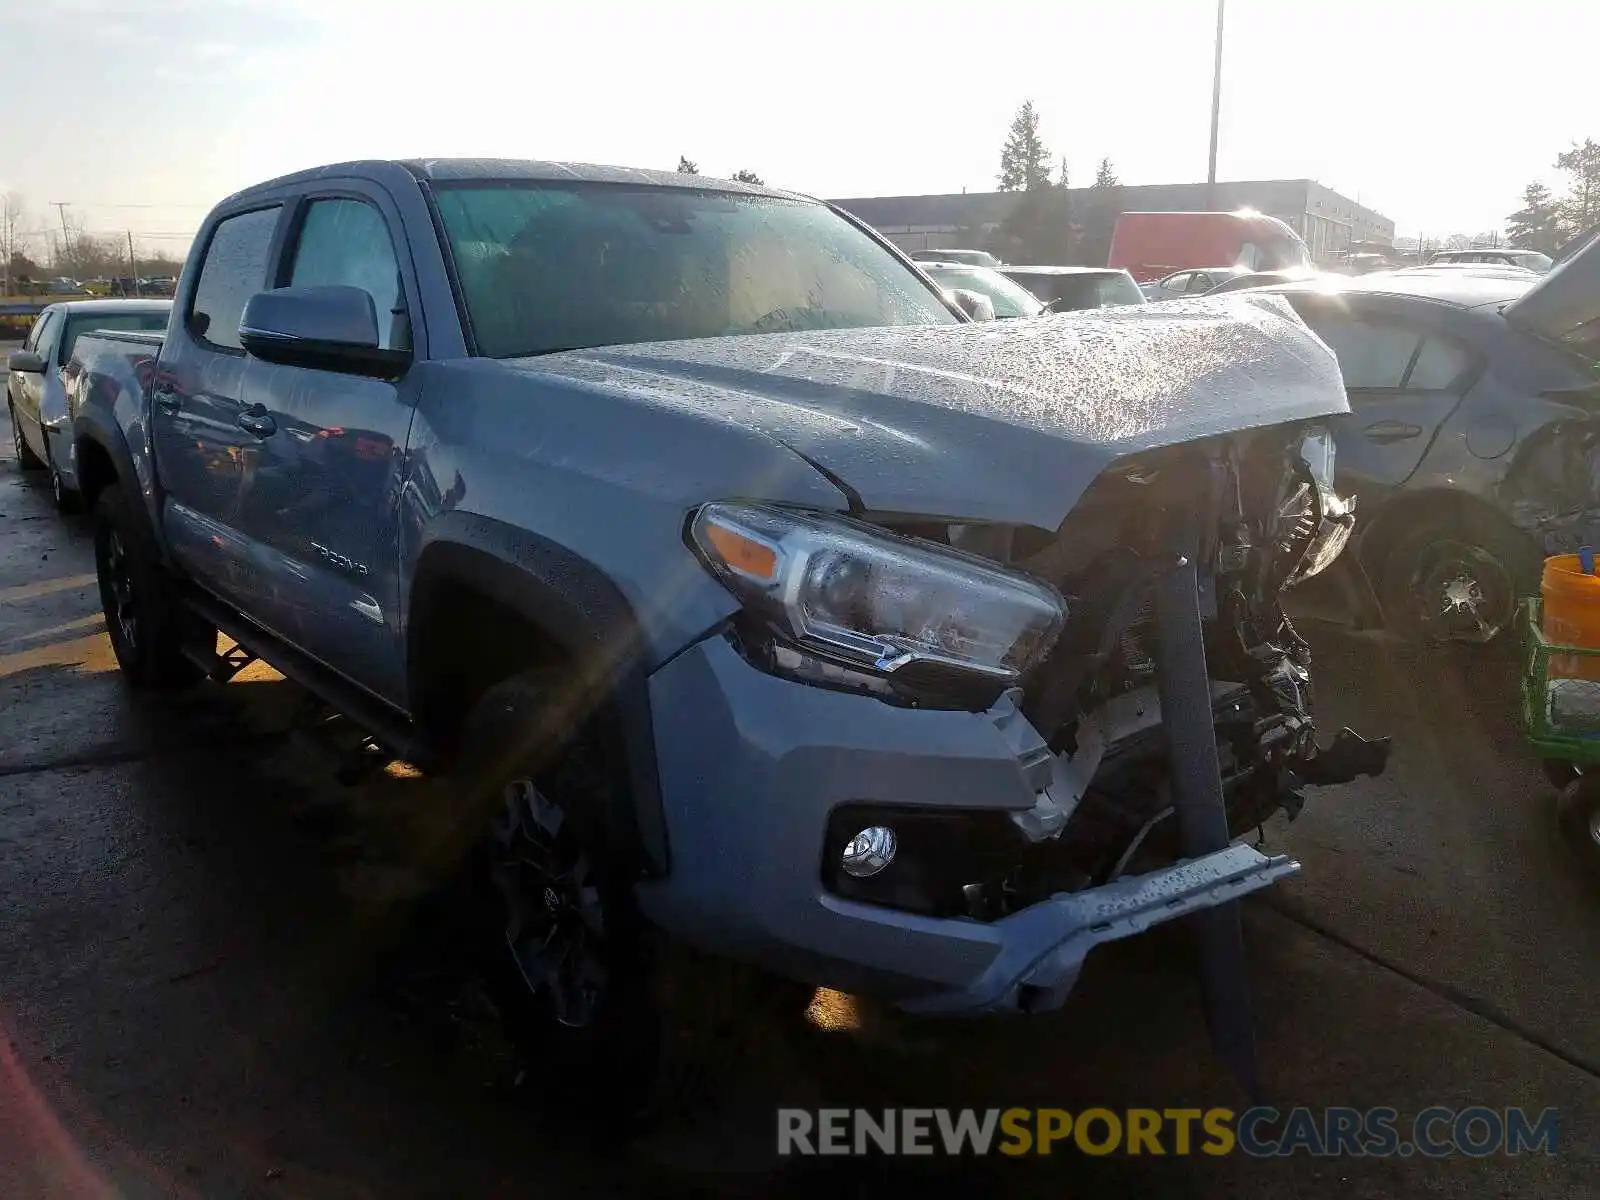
687	166
1537	224
1024	161
743	176
1580	208
1104	206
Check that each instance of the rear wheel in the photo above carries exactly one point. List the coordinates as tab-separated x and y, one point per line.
27	460
1452	582
66	499
145	621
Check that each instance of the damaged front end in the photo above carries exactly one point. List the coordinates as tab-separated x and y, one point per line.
1173	714
1222	527
1138	666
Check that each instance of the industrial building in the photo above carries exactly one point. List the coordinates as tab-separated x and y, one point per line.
1329	222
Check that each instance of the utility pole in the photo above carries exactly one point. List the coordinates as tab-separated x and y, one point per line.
1216	112
66	236
133	267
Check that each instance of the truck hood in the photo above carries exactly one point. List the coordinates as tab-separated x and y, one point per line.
994	421
1564	305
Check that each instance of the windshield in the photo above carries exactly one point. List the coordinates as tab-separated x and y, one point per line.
547	266
154	321
1009	299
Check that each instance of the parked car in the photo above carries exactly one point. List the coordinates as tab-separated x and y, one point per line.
1480	270
38	381
1189	283
1065	289
972	258
1531	260
1473	442
722	561
1010	299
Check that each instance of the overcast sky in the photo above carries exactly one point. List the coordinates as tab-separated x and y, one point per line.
1435	114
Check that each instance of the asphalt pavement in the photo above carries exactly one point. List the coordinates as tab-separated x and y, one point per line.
213	981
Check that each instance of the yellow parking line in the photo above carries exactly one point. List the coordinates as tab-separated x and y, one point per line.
28	591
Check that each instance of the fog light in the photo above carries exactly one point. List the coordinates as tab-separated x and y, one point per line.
869	852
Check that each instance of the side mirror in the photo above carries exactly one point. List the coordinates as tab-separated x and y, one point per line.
976	305
334	328
25	361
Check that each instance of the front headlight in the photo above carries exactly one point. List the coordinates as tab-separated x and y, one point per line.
857	595
1335	516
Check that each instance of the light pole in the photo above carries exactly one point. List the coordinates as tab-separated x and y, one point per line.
1216	110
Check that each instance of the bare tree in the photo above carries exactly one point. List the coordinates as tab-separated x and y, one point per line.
744	176
13	209
687	166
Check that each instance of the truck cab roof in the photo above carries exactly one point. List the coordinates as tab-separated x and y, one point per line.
453	170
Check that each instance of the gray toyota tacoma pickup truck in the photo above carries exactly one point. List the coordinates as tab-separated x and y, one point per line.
759	599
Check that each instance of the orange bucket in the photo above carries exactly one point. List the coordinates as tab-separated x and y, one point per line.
1571	607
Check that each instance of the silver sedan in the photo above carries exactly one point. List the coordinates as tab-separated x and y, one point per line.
36	376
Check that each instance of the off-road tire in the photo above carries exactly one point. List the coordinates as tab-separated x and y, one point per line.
646	1051
149	647
27	460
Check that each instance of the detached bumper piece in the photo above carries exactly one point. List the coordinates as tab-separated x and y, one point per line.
1044	946
1345	759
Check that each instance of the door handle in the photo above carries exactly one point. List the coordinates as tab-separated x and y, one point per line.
1384	432
257	420
168	401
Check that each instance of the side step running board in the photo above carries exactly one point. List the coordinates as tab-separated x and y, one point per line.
388	727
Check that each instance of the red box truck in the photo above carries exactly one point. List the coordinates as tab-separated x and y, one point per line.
1152	245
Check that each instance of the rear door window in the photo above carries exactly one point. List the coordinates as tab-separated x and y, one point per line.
1439	364
1388	355
1179	282
1370	355
234	269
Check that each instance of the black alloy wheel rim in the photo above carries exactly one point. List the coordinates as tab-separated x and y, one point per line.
119	581
554	928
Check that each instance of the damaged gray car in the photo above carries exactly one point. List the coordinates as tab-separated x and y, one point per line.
753	597
1474	436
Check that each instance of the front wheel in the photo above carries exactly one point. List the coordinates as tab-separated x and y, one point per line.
1451	582
27	460
562	943
146	623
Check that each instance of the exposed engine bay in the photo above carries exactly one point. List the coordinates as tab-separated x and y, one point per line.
1258	513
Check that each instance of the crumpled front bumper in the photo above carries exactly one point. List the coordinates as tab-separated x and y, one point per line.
752	765
1044	946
